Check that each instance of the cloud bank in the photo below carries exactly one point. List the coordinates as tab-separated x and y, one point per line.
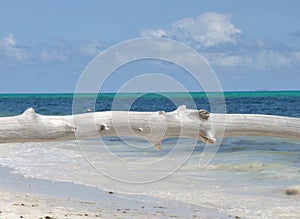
209	29
54	50
224	45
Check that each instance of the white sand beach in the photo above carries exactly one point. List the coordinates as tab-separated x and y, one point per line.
22	197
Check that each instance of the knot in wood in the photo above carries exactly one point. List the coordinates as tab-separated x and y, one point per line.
203	114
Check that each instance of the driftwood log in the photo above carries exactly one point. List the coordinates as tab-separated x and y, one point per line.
152	126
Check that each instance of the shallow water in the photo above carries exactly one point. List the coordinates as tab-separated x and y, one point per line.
249	183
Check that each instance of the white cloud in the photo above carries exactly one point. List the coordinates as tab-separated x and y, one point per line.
271	59
10	50
225	60
260	60
54	50
89	49
223	44
296	57
209	29
66	50
53	55
154	33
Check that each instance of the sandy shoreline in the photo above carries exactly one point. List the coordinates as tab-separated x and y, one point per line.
22	197
21	205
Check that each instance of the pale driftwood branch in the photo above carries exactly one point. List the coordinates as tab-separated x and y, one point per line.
152	126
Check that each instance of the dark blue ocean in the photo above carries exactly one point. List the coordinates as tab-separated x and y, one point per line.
284	103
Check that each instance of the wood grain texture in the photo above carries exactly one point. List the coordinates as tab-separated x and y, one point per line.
152	126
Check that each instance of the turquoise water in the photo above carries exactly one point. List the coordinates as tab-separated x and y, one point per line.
247	177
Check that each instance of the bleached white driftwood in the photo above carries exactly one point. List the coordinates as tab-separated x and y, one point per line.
152	126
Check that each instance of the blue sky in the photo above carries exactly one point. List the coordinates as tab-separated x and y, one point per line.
251	45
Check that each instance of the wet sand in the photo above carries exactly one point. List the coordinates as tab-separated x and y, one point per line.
22	197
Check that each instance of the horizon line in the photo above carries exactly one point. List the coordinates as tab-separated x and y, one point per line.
139	92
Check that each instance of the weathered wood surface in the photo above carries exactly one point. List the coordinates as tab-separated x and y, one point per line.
152	126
